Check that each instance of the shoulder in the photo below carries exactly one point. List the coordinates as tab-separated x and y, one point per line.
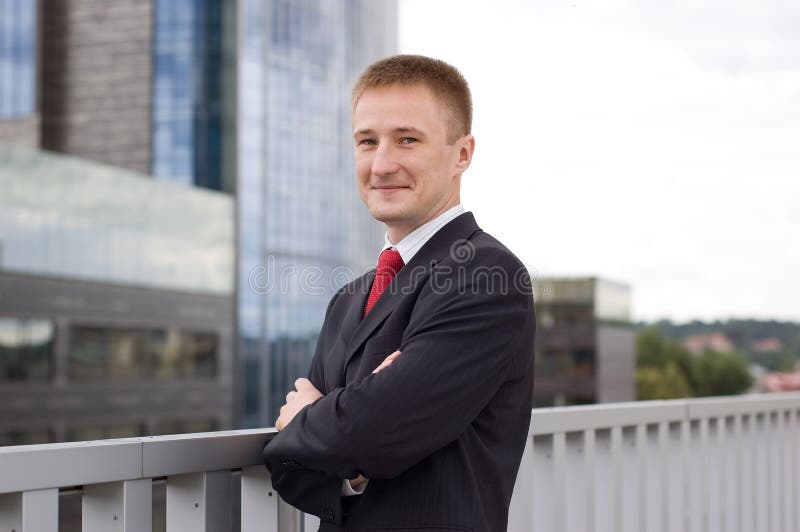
480	251
481	266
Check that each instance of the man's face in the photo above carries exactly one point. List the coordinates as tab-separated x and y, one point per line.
407	171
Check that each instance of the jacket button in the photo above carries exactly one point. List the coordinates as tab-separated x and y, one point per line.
290	463
327	513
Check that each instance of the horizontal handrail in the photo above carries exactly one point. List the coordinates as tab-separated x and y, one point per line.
32	467
608	415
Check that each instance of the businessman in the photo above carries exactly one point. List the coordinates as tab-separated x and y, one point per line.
417	405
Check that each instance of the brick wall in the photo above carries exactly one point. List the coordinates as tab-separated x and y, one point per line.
96	80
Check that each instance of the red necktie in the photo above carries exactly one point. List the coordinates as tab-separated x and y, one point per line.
388	265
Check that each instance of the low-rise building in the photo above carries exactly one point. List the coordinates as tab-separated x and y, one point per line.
585	342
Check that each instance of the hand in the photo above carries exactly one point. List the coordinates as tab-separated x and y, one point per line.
355	483
387	362
305	393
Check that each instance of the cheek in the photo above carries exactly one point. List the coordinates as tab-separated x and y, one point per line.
363	168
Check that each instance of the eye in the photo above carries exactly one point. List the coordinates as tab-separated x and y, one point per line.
407	140
367	142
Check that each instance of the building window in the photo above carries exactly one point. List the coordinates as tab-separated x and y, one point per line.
99	353
17	58
26	349
187	92
186	355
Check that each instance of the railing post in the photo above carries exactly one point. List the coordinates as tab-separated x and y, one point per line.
520	512
310	522
259	501
137	505
641	474
663	506
118	506
686	477
589	466
200	502
30	511
289	517
40	510
559	450
704	475
616	477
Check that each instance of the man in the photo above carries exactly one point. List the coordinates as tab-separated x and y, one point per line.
430	437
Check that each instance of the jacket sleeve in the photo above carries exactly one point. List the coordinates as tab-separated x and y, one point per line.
465	337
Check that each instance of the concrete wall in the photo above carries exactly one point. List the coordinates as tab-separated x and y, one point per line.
616	363
20	130
96	80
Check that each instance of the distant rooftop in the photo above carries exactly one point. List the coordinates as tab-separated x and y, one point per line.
611	300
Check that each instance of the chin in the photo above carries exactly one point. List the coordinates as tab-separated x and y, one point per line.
387	214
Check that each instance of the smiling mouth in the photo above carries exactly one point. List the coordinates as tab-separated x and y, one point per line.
388	189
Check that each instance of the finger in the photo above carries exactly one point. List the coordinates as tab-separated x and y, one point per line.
290	396
393	355
302	383
385	364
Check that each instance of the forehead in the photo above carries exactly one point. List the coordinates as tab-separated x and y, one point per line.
414	104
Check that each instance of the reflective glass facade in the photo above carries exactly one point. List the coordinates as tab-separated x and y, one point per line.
17	58
300	220
66	217
100	353
26	349
187	92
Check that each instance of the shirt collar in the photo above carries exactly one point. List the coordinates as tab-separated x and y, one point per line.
414	240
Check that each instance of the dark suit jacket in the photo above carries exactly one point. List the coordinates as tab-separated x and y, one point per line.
440	432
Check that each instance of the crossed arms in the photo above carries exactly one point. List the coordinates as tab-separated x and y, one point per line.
458	348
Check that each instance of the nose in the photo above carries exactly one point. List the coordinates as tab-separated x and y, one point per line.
384	163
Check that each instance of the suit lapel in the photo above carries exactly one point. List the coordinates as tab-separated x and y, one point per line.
409	277
356	306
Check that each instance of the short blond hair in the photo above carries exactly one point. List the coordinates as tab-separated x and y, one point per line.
443	80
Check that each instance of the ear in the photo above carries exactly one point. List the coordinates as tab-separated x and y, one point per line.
466	147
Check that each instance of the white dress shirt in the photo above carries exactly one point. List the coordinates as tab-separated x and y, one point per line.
417	238
408	247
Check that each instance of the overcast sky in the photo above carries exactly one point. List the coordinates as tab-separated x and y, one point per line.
653	143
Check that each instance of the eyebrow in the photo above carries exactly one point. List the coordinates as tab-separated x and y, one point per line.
401	129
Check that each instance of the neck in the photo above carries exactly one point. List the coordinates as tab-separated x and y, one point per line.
397	233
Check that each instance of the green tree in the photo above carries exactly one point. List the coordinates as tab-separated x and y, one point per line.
667	382
655	351
722	374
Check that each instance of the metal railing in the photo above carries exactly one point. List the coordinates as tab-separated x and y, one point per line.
719	464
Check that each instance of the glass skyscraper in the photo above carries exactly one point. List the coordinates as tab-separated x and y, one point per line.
17	58
247	97
302	229
187	92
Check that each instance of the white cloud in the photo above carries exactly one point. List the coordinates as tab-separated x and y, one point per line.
654	145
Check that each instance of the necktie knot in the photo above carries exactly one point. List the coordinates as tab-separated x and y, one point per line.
389	263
